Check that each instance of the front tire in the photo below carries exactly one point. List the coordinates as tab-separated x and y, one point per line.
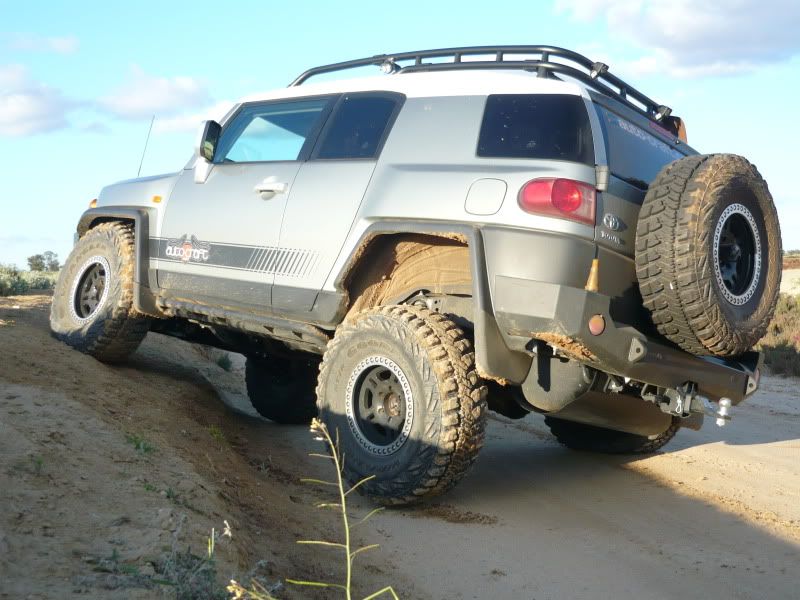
398	387
590	438
92	308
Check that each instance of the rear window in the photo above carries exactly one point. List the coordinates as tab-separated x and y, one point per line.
634	154
548	126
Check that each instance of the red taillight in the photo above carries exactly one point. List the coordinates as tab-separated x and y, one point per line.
562	198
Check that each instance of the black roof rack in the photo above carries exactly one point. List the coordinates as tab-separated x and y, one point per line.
594	74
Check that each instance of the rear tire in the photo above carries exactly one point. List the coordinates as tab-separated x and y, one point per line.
92	308
590	438
708	254
398	387
282	389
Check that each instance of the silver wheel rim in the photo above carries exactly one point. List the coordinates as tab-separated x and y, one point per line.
737	254
86	297
391	398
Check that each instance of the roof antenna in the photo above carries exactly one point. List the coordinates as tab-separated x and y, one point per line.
147	139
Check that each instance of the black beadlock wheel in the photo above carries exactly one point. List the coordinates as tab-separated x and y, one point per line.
92	308
590	438
708	254
283	389
398	386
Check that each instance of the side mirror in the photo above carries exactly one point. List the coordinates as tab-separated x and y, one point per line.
209	138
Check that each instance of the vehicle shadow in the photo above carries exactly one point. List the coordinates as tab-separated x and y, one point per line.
556	523
616	526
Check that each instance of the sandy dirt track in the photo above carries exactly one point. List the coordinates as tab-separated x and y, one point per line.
714	515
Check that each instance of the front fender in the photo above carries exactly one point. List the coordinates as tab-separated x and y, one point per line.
145	287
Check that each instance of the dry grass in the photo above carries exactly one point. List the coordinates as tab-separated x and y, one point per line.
781	345
791	259
791	262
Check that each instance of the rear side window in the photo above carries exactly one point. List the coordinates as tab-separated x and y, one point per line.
546	126
634	154
358	126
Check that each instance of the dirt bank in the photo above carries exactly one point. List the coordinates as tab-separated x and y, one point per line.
108	473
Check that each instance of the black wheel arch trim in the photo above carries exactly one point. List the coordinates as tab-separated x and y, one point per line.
492	356
145	287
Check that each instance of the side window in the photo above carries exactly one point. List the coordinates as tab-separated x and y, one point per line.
358	126
634	155
271	132
537	126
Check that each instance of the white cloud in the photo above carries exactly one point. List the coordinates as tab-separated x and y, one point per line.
27	106
95	127
191	122
30	42
144	95
688	38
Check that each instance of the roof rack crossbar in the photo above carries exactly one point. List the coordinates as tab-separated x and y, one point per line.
593	74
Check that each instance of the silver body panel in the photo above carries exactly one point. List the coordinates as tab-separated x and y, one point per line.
301	240
216	240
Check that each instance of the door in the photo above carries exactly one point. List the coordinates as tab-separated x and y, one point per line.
327	194
218	242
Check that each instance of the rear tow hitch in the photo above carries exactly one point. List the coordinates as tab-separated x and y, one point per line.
723	412
684	400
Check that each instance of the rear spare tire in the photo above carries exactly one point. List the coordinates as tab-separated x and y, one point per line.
708	254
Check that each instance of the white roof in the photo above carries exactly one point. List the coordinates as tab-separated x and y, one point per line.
439	83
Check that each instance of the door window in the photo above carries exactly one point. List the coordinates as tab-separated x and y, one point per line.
358	127
278	131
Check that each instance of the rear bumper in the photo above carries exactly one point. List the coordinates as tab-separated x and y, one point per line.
529	310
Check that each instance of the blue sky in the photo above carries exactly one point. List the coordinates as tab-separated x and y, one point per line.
79	80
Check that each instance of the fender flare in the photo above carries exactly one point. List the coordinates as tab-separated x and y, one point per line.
145	286
492	356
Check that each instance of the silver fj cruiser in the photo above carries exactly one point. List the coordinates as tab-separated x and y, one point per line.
510	228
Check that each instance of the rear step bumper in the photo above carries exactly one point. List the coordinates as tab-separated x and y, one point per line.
530	310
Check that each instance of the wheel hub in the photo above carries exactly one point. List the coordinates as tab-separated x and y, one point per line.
391	404
737	254
89	288
379	405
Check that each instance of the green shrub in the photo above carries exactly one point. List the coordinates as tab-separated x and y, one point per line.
781	345
40	280
11	281
14	282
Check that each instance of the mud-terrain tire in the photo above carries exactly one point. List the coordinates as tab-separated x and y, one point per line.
414	371
708	254
590	438
283	389
92	308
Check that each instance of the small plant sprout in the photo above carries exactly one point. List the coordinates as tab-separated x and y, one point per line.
322	434
259	592
216	433
141	445
255	592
